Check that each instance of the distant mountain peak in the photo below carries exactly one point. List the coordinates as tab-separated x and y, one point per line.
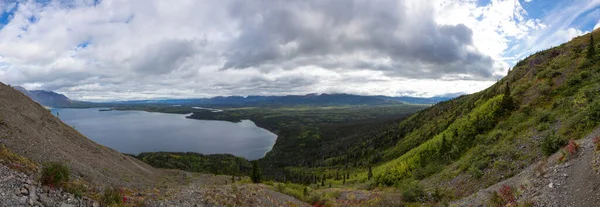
46	98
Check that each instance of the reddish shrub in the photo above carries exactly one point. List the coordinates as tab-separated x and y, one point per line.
597	143
572	147
563	156
507	194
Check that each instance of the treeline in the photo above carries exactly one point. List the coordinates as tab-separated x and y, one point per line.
195	162
299	176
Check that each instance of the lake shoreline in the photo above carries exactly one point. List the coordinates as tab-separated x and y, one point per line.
242	138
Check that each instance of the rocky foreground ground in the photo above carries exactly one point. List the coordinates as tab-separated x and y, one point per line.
563	179
19	189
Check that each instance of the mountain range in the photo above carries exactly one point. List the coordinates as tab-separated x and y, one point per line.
46	98
53	99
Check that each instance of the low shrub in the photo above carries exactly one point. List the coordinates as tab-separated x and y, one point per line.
552	143
569	150
572	147
594	112
16	162
54	174
295	190
543	126
597	143
77	188
412	191
574	81
111	196
584	75
505	196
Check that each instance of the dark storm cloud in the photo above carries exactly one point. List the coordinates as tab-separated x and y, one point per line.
292	33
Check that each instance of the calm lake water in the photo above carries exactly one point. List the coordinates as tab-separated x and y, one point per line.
139	131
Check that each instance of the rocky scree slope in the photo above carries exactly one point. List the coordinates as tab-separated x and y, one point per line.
19	189
30	130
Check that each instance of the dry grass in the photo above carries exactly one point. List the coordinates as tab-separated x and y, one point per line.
16	162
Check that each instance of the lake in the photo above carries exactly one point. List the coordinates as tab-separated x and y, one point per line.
139	131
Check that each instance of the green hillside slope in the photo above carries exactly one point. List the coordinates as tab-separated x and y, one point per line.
473	141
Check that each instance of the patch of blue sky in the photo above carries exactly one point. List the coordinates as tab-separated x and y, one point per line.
538	9
84	44
7	14
483	2
587	20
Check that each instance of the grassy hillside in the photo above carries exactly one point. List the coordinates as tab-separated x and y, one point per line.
474	141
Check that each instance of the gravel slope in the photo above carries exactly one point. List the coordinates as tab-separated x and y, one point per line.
29	130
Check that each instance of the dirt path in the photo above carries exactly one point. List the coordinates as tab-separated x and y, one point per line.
581	186
574	182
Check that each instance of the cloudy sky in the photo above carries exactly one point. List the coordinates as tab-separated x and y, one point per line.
146	49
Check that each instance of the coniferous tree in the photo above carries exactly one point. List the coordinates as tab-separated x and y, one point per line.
591	50
344	182
323	181
255	176
370	175
445	148
507	104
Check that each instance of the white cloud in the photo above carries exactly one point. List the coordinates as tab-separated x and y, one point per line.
157	49
495	25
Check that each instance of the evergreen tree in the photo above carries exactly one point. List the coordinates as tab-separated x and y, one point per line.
591	50
323	181
255	176
344	182
445	148
370	173
507	104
